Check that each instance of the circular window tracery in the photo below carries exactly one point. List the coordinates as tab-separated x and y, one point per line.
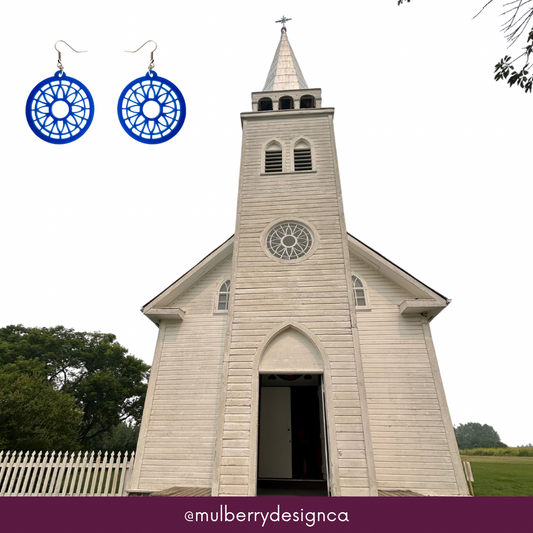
289	240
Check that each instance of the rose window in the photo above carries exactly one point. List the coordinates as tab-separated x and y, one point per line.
289	240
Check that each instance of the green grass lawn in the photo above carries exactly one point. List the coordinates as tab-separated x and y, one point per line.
501	476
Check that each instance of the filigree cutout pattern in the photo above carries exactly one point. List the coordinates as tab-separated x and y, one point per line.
151	109
60	109
289	240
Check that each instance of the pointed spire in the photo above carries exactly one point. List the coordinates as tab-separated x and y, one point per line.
284	73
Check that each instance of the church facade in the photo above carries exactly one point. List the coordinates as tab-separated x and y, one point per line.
294	355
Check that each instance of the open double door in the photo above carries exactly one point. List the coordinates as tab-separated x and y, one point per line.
293	450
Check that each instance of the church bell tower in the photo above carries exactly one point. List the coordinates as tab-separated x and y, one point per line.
291	310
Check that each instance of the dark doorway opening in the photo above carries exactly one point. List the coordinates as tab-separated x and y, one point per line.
292	444
306	449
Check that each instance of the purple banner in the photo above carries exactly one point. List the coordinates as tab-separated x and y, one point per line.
365	515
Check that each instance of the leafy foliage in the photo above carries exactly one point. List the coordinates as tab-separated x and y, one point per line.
505	70
515	27
107	384
121	438
518	451
475	435
520	18
34	416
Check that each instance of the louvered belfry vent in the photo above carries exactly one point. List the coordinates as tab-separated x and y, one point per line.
273	161
302	159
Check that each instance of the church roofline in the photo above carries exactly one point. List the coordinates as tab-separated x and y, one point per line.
253	115
190	277
421	291
303	90
397	274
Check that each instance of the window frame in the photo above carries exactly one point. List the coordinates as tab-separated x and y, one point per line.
219	292
311	147
309	226
364	288
286	98
309	97
265	99
264	150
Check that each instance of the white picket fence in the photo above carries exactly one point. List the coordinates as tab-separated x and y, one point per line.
67	474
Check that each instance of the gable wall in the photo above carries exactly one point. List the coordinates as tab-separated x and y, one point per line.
407	415
181	426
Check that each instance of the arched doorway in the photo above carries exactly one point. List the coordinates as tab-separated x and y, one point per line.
292	443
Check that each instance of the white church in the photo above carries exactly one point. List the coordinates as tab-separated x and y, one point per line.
294	359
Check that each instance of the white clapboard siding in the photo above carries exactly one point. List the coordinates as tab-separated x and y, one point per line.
64	473
181	427
411	450
313	293
200	424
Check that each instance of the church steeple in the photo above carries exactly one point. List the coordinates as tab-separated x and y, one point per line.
285	87
285	73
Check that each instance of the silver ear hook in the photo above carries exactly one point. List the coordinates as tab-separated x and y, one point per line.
59	64
151	64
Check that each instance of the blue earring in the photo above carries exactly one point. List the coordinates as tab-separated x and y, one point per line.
151	109
60	109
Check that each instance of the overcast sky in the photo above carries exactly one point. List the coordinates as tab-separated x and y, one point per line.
434	158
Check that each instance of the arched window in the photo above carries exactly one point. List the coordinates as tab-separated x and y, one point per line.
273	158
302	157
265	104
307	102
286	102
223	296
359	292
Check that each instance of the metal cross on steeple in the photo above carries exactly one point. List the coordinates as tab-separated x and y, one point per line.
283	19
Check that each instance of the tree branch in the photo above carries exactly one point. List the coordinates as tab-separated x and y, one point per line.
483	8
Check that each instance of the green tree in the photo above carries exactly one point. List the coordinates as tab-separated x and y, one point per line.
34	416
121	438
107	384
517	27
475	435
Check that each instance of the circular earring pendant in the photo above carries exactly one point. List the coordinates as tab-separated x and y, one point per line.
60	109
151	109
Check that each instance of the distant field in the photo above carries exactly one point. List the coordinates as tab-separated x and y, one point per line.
520	451
501	475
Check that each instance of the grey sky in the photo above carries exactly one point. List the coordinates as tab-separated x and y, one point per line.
433	157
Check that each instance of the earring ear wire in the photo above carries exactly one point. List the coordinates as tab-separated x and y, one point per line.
59	64
151	65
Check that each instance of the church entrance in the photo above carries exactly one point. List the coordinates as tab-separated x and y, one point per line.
292	458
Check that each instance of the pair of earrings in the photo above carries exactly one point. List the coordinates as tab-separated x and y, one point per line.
60	109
